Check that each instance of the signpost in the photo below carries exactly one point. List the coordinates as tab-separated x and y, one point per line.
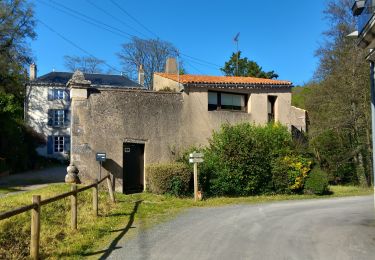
100	157
196	158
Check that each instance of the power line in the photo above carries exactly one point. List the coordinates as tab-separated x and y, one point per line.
198	70
87	19
202	64
117	31
75	45
137	21
115	18
203	61
133	18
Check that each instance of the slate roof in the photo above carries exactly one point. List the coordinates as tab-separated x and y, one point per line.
102	80
203	79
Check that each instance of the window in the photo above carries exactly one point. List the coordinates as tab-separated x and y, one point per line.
271	108
58	94
58	118
226	101
58	145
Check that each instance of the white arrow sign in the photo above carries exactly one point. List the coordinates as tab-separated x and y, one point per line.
195	160
196	155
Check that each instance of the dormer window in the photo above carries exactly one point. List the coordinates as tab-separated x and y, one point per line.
226	101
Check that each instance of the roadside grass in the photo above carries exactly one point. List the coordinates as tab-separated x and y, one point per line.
5	190
97	237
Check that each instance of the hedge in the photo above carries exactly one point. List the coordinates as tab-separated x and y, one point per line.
317	182
169	178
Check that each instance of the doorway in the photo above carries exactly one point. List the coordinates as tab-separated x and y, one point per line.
133	167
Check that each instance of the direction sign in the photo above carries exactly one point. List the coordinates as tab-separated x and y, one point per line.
196	155
195	160
101	157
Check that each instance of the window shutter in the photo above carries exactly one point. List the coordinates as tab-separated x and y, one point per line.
67	94
50	94
67	118
50	117
66	143
50	144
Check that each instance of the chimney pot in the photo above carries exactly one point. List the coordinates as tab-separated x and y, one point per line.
33	71
141	75
171	66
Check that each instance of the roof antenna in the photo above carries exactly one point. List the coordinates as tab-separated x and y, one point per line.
236	40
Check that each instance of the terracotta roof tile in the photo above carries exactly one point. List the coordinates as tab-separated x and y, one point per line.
203	79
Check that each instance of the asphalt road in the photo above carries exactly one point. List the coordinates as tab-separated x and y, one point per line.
342	228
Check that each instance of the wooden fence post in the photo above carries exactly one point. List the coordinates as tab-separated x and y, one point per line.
110	188
74	207
35	228
95	198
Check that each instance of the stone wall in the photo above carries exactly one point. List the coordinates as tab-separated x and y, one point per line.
110	117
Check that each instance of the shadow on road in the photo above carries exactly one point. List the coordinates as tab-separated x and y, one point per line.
113	246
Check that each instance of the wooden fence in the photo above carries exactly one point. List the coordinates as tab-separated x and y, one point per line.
37	203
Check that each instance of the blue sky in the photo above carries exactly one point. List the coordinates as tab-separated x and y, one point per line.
278	35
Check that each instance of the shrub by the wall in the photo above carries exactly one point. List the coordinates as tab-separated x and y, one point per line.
238	158
289	173
171	178
317	182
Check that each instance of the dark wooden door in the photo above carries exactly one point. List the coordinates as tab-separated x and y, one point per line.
133	168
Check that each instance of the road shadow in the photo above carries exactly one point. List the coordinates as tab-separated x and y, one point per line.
113	246
37	177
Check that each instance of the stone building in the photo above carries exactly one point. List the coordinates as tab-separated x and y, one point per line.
47	106
138	127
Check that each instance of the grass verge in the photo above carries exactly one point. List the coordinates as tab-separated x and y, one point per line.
124	219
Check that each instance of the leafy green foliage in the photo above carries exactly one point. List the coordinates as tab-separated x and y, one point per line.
17	142
17	26
238	160
246	68
172	178
9	106
338	102
317	182
299	95
290	172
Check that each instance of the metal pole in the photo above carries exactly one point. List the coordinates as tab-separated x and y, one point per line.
100	171
195	182
372	79
237	74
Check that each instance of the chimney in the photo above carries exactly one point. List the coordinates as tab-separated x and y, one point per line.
141	76
32	71
171	66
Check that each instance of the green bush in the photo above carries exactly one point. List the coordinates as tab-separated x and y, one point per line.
238	159
289	173
171	178
317	182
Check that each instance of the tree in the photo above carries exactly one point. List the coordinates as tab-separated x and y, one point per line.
152	54
17	142
338	101
246	68
16	27
86	64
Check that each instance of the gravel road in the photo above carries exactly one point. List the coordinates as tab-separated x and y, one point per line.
342	228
